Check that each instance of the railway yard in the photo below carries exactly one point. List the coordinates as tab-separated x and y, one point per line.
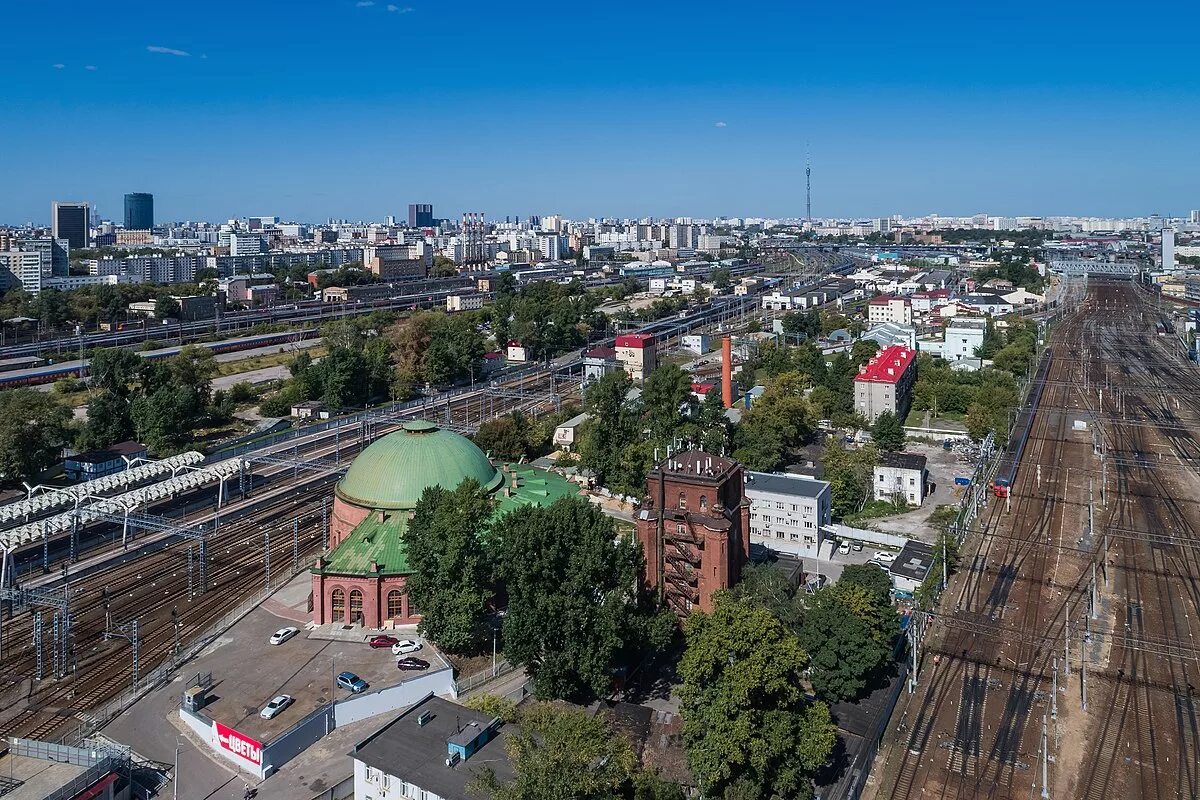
59	684
1062	660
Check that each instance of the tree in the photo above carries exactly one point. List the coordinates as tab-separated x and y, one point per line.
34	428
666	397
979	422
648	785
561	754
748	729
888	432
166	307
609	432
767	586
849	473
722	278
862	351
779	420
108	421
114	369
849	629
869	577
504	437
574	613
451	580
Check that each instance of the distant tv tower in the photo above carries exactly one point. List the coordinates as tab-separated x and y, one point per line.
808	188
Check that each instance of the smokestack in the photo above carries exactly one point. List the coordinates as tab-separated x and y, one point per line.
727	372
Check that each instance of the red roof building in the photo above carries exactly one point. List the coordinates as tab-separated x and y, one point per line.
885	383
638	354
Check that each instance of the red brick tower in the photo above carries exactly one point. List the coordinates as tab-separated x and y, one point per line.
694	528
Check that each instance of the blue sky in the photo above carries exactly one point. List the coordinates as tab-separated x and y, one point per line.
336	108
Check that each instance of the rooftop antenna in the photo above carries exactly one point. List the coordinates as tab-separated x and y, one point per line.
808	185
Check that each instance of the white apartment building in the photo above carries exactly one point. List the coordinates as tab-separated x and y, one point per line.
242	244
788	511
900	476
464	302
24	269
963	336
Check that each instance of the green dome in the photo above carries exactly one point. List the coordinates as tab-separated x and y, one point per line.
394	471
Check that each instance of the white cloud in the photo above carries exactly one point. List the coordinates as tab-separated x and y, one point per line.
405	10
364	3
720	125
167	51
90	68
60	66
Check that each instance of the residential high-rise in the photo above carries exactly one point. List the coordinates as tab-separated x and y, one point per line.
420	215
1168	249
70	221
139	211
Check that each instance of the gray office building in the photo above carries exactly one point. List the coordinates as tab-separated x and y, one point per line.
420	215
139	211
70	221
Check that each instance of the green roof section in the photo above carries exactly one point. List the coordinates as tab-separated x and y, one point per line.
383	543
372	540
394	471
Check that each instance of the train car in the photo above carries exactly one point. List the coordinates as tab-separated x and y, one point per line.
38	375
48	374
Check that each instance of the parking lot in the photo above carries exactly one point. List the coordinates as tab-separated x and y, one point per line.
247	672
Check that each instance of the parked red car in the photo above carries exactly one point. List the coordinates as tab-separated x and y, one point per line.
383	640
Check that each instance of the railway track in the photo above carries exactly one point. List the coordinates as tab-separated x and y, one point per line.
973	727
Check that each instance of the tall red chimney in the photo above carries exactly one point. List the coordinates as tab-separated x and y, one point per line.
727	372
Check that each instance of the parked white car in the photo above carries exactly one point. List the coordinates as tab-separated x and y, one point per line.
405	646
884	557
276	705
844	547
283	634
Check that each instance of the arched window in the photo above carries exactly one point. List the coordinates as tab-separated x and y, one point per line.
337	610
703	503
682	500
356	608
395	604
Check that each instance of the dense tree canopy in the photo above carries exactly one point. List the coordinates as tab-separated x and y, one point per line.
568	754
574	612
748	729
779	420
452	571
849	629
888	432
34	428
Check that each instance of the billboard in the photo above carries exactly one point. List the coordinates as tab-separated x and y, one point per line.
239	744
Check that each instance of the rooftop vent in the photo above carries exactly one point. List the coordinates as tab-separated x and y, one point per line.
424	717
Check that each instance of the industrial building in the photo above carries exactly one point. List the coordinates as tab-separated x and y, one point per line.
788	511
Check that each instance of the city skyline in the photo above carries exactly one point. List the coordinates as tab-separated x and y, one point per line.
310	115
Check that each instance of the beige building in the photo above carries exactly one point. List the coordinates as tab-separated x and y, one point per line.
638	354
890	309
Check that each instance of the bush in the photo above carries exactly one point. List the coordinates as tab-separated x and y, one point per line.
242	392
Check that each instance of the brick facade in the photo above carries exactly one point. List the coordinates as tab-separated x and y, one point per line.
702	542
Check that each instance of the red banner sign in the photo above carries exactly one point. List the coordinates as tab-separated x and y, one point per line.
239	744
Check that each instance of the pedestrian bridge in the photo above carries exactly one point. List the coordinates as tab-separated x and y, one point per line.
1083	266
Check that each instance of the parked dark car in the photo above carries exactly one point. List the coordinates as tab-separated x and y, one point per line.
413	664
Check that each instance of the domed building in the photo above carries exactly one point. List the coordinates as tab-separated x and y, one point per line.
361	580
